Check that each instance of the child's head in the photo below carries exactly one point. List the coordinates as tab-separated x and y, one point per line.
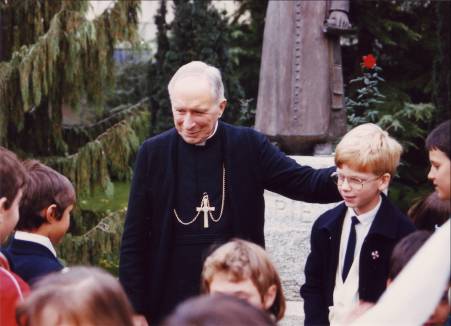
405	250
438	145
401	255
366	159
47	202
430	212
217	310
13	178
243	269
80	296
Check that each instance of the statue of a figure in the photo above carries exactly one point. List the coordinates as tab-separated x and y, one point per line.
301	98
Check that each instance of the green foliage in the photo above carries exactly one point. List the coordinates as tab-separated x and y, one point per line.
441	72
246	37
405	38
72	59
99	246
364	108
106	158
402	35
131	84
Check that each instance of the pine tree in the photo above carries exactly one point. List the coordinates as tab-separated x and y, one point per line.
247	29
441	72
53	56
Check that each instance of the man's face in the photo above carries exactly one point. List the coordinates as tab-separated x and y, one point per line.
360	190
244	289
440	173
194	109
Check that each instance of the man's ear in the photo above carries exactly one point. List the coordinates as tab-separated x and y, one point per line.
222	106
384	182
50	214
389	281
269	297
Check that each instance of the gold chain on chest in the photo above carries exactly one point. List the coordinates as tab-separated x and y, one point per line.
204	206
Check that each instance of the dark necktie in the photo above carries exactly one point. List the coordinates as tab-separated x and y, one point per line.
349	257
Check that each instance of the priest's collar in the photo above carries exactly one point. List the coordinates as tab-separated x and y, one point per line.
212	134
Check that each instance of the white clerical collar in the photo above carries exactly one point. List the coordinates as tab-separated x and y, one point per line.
212	134
37	238
368	217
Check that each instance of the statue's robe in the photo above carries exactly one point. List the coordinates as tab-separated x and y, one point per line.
300	97
160	259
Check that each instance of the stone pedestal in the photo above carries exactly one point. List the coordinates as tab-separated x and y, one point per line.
287	231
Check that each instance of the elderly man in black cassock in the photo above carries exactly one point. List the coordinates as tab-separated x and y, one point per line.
197	184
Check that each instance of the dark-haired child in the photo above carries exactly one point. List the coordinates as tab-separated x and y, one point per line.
438	145
13	178
429	212
402	253
44	219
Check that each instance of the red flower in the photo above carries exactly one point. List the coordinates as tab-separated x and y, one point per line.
369	61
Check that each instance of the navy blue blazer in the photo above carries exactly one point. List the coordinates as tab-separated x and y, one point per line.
389	226
31	260
252	165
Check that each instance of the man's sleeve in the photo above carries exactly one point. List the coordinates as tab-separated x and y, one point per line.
315	306
132	266
285	176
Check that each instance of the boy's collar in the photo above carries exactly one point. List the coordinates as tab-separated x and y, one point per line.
37	238
368	217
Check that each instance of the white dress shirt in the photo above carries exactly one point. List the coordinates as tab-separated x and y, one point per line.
346	294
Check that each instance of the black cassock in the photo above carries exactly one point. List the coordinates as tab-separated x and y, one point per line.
199	170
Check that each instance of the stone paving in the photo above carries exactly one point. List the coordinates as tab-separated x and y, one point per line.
287	232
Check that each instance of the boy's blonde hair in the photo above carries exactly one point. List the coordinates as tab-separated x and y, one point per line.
368	148
243	260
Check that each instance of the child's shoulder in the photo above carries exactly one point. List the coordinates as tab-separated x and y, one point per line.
391	216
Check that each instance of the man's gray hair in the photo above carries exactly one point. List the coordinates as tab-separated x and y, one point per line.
200	69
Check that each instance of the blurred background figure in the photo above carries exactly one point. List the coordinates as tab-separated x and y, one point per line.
402	253
80	296
429	212
217	310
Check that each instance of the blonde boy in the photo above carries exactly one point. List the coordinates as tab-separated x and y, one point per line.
244	270
351	244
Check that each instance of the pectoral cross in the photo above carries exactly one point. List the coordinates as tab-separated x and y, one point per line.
205	208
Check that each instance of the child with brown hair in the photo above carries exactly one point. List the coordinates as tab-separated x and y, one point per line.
402	254
217	310
13	178
80	296
351	244
44	219
429	212
243	269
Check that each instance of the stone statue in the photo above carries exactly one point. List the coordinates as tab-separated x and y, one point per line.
301	99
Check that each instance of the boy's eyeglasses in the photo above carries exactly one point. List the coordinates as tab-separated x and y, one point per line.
353	182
